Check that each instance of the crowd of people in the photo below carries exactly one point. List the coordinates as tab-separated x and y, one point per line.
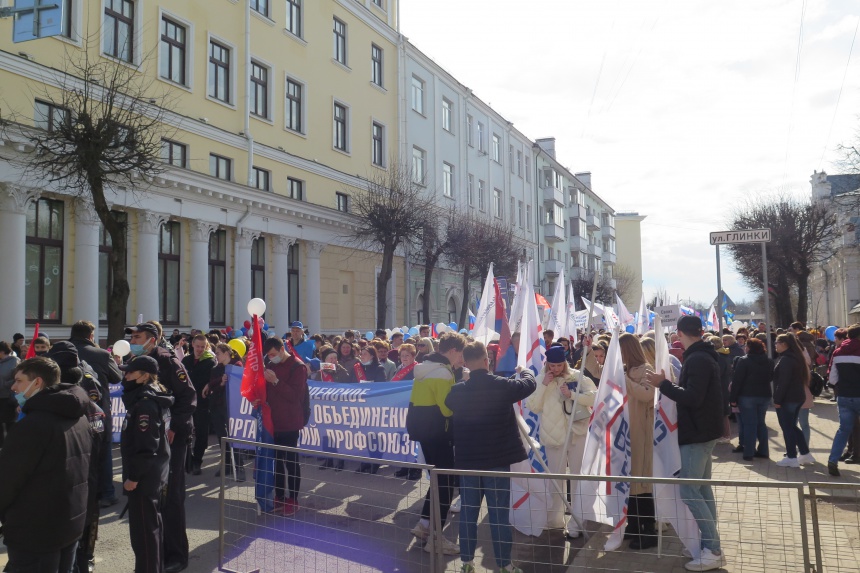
55	422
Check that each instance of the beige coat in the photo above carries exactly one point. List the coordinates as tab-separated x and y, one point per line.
640	402
548	401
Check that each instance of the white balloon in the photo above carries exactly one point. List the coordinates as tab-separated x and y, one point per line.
121	348
256	306
441	327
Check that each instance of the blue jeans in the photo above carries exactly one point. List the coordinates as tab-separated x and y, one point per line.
849	408
787	415
696	464
753	410
803	420
497	490
59	561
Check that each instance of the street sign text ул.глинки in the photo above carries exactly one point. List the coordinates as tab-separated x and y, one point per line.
752	236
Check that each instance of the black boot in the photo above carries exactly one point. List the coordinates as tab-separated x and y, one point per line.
401	473
646	539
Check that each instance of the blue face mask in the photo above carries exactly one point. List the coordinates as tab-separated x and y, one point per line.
21	397
137	349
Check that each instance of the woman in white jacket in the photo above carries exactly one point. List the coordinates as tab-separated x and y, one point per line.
553	401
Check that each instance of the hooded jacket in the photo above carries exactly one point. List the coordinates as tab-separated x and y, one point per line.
698	395
46	461
752	377
200	372
144	447
548	401
7	366
428	418
845	369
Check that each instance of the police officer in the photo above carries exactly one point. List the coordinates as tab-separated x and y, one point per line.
172	375
145	460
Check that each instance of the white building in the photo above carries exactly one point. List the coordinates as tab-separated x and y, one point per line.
629	241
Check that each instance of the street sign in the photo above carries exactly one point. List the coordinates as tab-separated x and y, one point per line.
734	237
35	19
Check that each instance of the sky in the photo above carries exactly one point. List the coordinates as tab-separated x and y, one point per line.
683	110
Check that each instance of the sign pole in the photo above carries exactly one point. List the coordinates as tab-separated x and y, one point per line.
719	293
766	299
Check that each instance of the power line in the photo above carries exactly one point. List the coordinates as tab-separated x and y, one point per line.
794	91
600	71
839	97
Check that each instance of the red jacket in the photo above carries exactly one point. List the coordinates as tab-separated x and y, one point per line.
288	399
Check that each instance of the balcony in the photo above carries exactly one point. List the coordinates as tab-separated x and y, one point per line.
608	232
553	195
609	258
595	251
578	244
592	221
576	211
553	267
553	232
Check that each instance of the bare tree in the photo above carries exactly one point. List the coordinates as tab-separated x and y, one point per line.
624	279
107	131
390	212
802	233
583	284
435	243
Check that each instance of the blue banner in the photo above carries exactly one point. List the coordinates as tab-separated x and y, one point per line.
117	409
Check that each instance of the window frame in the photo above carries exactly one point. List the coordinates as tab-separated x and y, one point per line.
447	180
496	148
418	88
260	86
481	137
377	66
342	202
266	175
164	260
470	138
120	18
169	159
419	155
221	263
228	70
482	204
50	121
498	211
343	124
44	243
300	184
184	48
228	163
291	101
340	42
255	6
377	144
294	23
258	266
471	190
447	115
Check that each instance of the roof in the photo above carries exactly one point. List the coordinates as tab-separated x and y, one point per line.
841	184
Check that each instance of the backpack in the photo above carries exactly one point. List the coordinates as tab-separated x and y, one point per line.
816	383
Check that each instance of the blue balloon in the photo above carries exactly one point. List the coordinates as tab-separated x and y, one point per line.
244	331
413	331
265	326
630	329
452	326
830	333
368	335
464	331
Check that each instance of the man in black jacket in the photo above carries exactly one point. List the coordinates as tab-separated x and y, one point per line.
700	423
172	375
45	461
107	373
486	438
199	365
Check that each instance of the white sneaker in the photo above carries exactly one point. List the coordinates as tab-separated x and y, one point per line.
785	463
616	538
455	506
806	459
706	562
421	531
448	547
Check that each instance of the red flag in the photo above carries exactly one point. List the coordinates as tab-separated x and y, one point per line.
31	350
253	382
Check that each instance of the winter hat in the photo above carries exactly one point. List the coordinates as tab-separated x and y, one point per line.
314	364
143	364
64	354
555	355
326	352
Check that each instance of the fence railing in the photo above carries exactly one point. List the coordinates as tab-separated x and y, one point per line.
348	520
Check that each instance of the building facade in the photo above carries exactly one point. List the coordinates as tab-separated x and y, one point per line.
629	241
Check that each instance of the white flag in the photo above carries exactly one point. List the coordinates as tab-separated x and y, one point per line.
713	319
642	319
607	447
529	496
667	457
558	312
609	315
624	316
517	305
486	317
532	350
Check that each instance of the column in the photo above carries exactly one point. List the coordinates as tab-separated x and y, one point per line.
87	230
244	240
199	301
147	286
279	302
14	202
312	286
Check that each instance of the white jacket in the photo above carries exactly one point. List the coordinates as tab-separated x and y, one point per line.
549	402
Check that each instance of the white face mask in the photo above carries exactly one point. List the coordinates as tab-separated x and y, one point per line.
276	360
368	363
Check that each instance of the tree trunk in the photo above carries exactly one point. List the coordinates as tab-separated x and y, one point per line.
429	263
802	297
464	310
382	283
117	301
782	302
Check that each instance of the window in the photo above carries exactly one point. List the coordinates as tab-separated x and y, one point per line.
295	188
218	278
497	203
528	169
376	64
471	190
259	90
419	170
67	29
50	117
481	195
258	268
43	280
294	17
448	179
262	179
378	145
168	273
497	152
511	157
293	265
469	137
219	72
340	41
379	4
174	153
511	211
342	202
173	49
520	213
480	136
418	94
519	163
105	250
119	29
447	113
529	217
294	106
261	6
220	167
340	127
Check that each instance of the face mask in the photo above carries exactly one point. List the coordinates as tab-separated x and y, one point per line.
138	349
368	363
22	398
275	360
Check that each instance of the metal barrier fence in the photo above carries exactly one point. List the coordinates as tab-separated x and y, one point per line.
351	521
